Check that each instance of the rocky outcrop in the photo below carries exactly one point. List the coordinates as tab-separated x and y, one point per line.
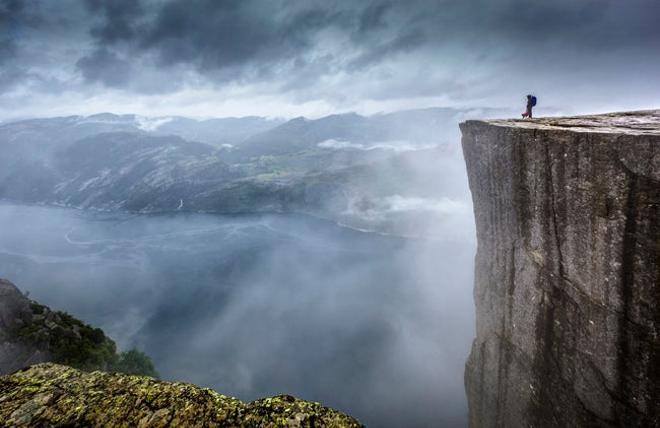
567	277
57	396
31	333
49	394
15	314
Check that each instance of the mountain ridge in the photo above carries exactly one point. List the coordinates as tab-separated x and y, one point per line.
307	166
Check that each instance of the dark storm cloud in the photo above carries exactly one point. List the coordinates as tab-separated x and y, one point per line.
407	40
16	18
314	50
9	9
31	33
246	36
119	19
224	35
581	25
10	14
248	40
212	36
106	67
373	15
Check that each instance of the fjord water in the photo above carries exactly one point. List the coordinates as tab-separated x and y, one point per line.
256	305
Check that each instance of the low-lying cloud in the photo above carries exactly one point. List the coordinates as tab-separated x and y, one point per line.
394	146
398	203
150	124
260	305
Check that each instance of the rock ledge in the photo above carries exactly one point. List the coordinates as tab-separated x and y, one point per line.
645	122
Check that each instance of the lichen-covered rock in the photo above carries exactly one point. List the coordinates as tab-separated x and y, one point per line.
567	277
55	395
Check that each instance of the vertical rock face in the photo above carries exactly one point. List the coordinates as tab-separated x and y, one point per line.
567	278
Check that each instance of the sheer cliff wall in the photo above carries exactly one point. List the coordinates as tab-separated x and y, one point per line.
567	275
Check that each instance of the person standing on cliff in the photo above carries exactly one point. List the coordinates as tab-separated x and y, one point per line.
531	102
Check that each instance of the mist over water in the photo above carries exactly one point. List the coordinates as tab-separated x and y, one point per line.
343	110
376	326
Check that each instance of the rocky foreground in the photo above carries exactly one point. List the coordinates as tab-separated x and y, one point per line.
567	279
54	395
57	395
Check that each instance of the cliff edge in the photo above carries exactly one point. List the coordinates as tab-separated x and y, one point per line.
53	395
567	275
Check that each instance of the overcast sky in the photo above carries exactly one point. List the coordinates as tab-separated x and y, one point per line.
309	57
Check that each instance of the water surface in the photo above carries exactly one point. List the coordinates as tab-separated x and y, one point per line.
375	326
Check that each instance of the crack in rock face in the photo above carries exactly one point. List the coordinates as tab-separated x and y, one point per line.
567	274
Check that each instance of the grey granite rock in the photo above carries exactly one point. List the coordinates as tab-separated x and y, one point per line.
567	277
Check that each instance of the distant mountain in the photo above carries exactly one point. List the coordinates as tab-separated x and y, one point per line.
53	131
217	132
301	133
136	171
343	167
424	126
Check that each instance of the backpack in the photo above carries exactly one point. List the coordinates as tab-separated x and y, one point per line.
533	100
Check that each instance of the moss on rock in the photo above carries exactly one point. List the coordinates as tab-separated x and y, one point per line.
67	339
40	334
54	395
